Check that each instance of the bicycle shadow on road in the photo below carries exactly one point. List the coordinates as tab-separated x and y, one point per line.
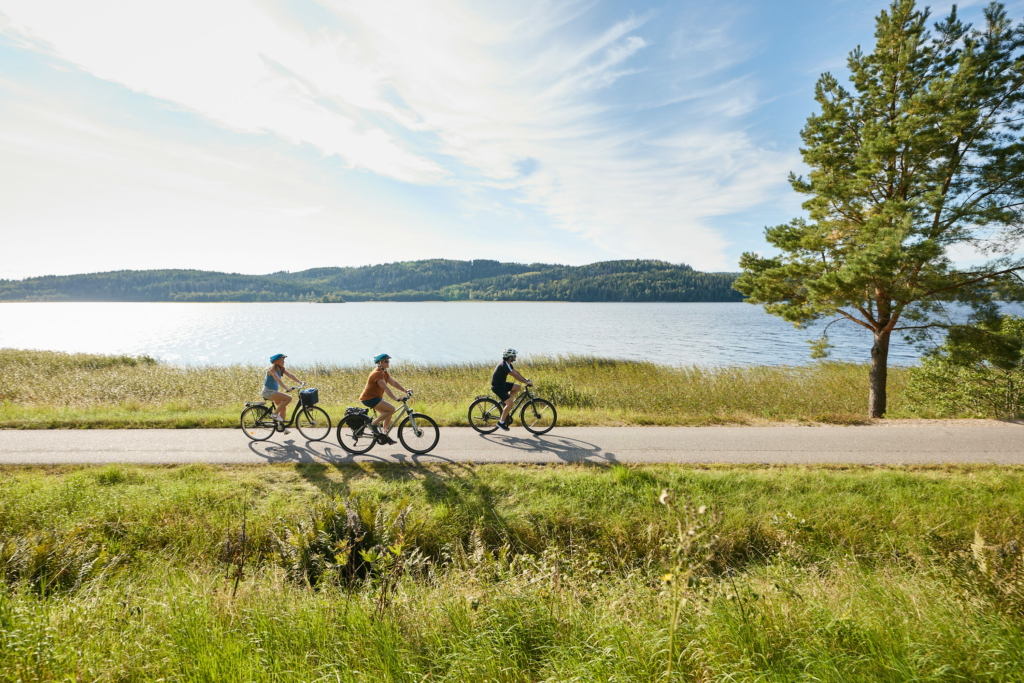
290	451
293	452
562	447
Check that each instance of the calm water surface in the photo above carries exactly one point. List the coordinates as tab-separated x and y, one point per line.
714	334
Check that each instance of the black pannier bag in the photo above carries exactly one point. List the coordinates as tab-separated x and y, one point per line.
356	411
309	397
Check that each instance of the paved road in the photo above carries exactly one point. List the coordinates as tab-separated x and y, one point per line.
916	442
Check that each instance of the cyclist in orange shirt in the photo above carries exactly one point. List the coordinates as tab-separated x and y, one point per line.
373	396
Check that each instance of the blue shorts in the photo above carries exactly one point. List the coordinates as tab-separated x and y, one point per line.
503	390
372	402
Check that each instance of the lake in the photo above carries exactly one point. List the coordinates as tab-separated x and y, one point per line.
713	334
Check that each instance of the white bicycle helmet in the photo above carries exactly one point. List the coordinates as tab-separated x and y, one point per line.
508	353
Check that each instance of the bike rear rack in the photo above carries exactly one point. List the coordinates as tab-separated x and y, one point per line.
254	404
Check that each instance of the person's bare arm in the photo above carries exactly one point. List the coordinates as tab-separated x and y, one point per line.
288	374
515	373
387	390
394	383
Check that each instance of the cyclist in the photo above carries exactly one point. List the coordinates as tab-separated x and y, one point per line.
272	385
373	396
506	390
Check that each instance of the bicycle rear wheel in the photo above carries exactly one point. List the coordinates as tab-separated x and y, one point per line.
418	433
355	435
257	423
484	414
313	423
538	416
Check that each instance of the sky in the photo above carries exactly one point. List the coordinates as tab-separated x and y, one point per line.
255	136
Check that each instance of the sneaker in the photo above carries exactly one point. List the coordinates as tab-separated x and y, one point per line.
502	425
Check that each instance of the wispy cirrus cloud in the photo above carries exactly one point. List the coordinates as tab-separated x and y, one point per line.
535	106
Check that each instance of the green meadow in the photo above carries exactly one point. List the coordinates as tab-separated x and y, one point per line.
506	573
40	389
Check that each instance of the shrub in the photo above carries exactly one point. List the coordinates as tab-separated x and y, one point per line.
978	371
341	541
49	562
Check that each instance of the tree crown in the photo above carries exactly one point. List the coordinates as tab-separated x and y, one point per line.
921	155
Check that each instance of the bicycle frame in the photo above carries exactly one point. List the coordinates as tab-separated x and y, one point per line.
398	415
295	411
520	399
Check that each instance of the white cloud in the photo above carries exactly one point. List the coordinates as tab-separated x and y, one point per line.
450	94
217	58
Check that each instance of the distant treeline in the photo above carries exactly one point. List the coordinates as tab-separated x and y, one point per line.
432	280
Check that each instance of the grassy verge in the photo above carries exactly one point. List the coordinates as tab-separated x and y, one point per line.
55	390
507	573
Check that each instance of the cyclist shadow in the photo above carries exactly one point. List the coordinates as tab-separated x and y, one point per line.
562	447
292	451
301	452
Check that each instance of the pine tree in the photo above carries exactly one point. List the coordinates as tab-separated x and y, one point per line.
923	155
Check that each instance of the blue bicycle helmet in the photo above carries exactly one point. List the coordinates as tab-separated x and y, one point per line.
381	356
276	356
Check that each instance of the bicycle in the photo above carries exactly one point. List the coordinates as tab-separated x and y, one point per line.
417	432
538	415
312	422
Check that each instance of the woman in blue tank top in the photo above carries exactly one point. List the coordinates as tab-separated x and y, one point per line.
273	385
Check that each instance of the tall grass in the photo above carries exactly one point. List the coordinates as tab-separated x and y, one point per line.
48	389
523	574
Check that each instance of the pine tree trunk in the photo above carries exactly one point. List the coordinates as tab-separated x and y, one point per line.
878	374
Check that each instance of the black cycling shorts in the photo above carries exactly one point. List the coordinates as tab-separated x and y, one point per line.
503	390
372	402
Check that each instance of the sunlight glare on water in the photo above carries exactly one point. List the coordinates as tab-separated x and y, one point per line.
714	334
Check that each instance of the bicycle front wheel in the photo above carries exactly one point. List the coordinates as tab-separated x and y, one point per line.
313	423
418	433
484	414
257	423
355	435
539	416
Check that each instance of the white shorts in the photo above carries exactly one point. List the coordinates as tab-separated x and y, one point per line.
268	393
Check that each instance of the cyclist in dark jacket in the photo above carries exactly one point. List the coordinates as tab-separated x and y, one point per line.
506	390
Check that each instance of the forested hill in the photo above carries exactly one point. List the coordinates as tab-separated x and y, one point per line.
432	280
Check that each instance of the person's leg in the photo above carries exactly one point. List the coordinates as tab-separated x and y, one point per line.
508	403
385	411
281	400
